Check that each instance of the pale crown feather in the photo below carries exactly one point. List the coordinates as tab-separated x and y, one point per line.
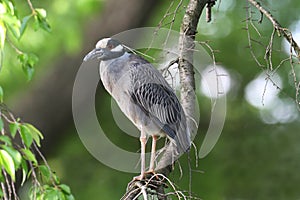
102	43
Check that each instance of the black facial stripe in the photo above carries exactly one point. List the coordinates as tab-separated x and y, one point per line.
113	43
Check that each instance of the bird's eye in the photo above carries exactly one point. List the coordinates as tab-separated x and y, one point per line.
110	46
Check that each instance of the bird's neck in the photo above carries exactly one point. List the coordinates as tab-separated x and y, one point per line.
110	61
112	71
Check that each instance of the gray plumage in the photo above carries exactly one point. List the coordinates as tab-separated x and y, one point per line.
141	92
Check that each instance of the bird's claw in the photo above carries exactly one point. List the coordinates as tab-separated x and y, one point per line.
139	178
147	175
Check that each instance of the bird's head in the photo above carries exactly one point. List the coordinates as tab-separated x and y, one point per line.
106	49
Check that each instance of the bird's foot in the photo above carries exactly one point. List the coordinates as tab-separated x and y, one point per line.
146	175
150	174
140	177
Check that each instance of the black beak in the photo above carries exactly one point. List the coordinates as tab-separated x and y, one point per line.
95	53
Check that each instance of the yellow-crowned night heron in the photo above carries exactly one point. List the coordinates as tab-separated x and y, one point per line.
143	95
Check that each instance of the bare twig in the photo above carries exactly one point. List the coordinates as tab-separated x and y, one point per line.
31	6
248	21
4	191
167	14
7	183
280	30
153	186
268	53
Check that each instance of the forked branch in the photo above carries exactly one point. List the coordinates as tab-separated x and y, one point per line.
280	30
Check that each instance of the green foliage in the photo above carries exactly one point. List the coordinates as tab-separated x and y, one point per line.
35	133
7	162
15	156
252	160
61	192
29	156
13	127
28	61
41	20
12	28
54	189
26	136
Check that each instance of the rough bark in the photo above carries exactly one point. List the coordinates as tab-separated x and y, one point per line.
188	31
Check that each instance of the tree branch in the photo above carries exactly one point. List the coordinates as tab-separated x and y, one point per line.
188	31
280	30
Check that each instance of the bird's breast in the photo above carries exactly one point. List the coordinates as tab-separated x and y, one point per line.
117	79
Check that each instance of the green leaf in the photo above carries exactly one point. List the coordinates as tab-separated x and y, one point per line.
9	7
55	178
61	195
40	20
13	127
9	18
26	135
12	23
1	94
7	162
70	197
16	156
23	57
28	155
5	138
32	59
24	24
45	172
51	194
1	123
29	71
2	35
28	61
35	133
24	171
66	189
41	12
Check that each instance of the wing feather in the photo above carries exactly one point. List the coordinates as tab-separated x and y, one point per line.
160	104
153	95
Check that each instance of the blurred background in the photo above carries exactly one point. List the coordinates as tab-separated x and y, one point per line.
258	153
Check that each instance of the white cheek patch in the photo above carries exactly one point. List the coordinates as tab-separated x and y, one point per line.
102	43
118	48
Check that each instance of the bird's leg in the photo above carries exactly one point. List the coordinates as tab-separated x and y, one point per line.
153	154
143	140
